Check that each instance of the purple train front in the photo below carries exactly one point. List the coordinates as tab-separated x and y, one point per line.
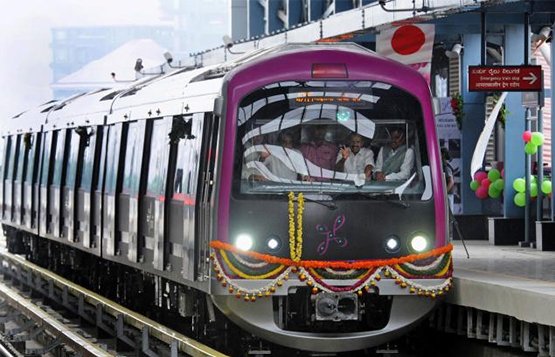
316	255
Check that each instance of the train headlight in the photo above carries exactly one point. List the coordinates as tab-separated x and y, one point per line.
392	244
419	243
273	243
244	242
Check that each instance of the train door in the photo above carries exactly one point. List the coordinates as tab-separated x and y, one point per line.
89	191
30	197
128	199
8	176
204	207
112	186
55	188
182	194
45	178
73	144
21	153
152	216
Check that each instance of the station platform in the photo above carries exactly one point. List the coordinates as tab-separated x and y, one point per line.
507	280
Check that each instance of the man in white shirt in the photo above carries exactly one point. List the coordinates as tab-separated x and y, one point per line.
395	160
355	159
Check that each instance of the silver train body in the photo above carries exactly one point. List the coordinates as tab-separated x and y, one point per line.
159	175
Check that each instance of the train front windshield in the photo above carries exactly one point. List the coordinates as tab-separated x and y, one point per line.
337	138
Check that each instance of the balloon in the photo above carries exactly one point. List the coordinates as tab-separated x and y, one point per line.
503	173
533	189
546	187
482	192
519	185
499	184
493	192
537	138
493	174
526	136
480	175
530	148
485	183
474	185
520	199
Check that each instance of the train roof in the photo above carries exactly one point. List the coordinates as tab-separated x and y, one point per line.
29	121
180	92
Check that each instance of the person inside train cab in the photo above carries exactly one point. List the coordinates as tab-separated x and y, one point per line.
248	170
318	150
280	164
395	160
355	158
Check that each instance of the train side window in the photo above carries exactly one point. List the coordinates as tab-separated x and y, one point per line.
31	142
88	163
188	154
72	159
133	157
21	152
59	157
8	174
45	167
114	138
158	161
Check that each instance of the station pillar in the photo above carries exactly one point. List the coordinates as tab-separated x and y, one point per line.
472	124
510	229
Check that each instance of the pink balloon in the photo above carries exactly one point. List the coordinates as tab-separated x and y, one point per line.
480	175
526	136
482	192
485	183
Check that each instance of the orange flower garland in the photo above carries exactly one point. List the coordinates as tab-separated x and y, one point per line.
361	264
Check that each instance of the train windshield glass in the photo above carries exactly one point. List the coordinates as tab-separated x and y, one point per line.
342	138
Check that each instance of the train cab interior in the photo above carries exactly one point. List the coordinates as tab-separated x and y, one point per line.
296	147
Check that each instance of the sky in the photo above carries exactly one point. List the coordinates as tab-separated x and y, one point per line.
25	38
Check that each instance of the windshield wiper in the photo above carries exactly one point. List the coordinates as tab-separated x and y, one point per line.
385	195
329	204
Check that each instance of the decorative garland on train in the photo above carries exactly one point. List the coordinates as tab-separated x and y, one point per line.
231	263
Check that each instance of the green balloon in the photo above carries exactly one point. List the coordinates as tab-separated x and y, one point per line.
493	192
530	148
533	189
546	187
533	178
494	174
474	185
520	199
499	184
537	138
519	185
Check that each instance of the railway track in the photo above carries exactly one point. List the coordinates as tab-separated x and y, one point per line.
42	313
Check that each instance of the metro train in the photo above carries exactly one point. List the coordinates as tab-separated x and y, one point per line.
185	180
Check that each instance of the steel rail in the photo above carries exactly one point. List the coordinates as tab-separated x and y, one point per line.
184	344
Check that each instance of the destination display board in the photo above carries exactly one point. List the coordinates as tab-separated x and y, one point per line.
505	78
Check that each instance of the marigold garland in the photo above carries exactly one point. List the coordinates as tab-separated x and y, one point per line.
365	282
296	241
241	274
338	264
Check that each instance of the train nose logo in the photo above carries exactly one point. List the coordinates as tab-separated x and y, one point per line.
331	235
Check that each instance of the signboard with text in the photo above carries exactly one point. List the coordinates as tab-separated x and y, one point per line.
505	78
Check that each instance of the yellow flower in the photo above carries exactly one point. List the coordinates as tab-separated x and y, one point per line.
296	241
